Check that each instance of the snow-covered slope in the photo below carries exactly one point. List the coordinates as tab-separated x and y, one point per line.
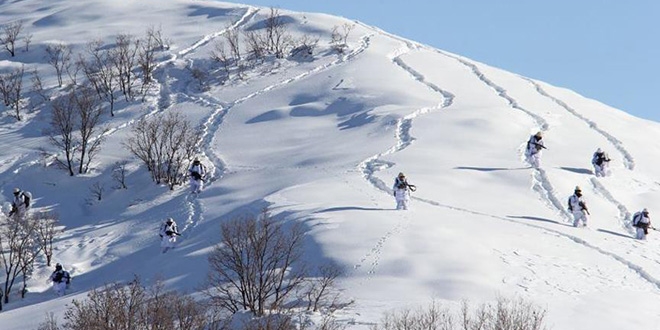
320	142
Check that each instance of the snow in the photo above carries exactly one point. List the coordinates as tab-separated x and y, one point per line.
319	142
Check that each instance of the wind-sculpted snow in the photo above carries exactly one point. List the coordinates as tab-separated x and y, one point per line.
628	160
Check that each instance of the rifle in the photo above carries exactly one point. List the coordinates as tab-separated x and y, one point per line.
540	145
412	187
14	209
584	208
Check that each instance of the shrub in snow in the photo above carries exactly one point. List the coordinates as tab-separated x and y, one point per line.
504	314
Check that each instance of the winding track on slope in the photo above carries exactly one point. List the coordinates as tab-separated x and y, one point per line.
628	160
545	188
373	164
543	185
164	101
212	123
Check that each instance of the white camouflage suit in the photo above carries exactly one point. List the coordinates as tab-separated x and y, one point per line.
641	221
601	157
197	173
60	279
533	149
19	206
578	207
168	232
401	192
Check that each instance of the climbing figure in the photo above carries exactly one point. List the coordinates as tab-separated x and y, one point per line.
168	233
578	207
402	190
197	172
61	280
642	222
533	150
601	163
21	203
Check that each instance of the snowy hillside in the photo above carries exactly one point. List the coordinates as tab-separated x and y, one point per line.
319	141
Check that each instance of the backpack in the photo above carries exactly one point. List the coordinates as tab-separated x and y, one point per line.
58	276
636	218
27	198
198	175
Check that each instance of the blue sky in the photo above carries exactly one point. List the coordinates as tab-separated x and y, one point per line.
606	50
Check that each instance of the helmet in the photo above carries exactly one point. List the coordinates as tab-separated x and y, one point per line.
58	266
599	150
170	220
645	211
401	175
17	190
577	188
538	134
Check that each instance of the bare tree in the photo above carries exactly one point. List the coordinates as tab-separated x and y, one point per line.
50	323
59	56
38	87
162	43
505	314
10	34
201	76
62	128
339	37
256	265
75	128
125	59
133	306
46	230
219	54
89	115
304	46
233	39
72	70
5	89
257	46
165	144
101	72
97	190
277	36
147	60
15	90
318	289
18	248
27	39
119	174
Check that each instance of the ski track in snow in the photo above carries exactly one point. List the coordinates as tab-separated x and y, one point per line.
628	160
625	217
247	16
164	100
542	183
630	265
544	187
372	165
213	122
